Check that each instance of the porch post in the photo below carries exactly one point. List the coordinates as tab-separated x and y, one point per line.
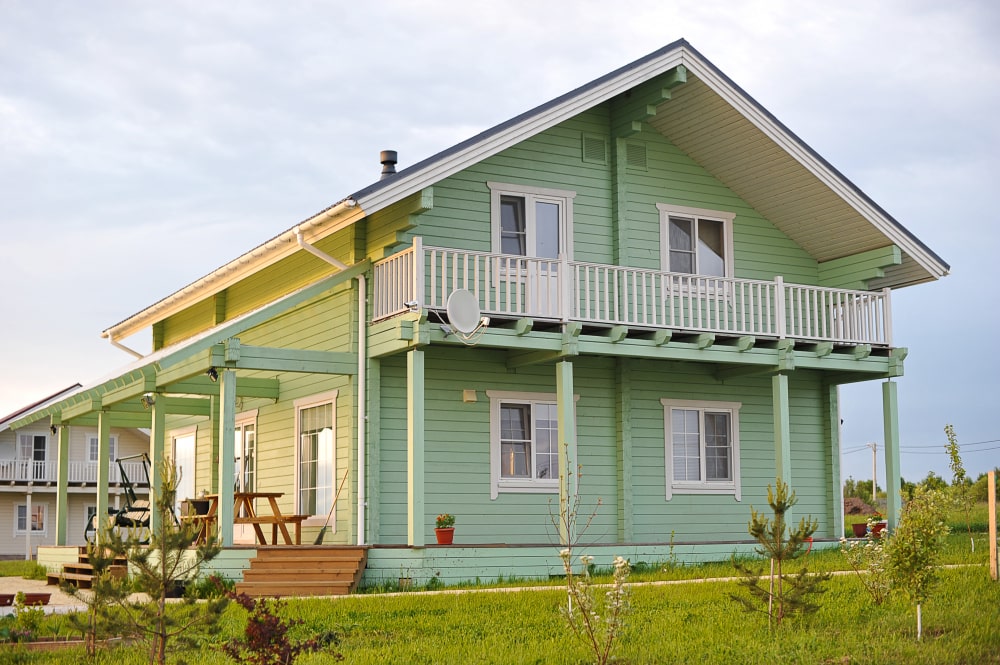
836	486
373	467
566	423
62	484
103	466
227	454
890	422
415	448
27	524
624	456
157	445
782	427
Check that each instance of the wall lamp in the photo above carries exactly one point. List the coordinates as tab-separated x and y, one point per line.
147	400
213	375
53	429
412	305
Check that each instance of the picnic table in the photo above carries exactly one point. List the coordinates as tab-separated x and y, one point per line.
245	512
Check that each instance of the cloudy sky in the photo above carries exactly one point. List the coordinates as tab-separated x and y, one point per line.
143	145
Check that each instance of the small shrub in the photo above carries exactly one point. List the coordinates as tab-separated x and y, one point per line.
266	639
867	559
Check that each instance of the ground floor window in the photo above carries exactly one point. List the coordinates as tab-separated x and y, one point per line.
316	452
702	452
35	517
524	443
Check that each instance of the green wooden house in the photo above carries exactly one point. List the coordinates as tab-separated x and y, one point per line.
646	291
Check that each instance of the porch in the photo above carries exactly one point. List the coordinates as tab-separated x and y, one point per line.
559	290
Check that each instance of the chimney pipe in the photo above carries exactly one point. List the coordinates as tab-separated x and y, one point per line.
388	160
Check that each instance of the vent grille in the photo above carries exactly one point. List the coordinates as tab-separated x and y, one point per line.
595	149
635	156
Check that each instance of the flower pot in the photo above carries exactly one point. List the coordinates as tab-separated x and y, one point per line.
860	529
878	528
445	536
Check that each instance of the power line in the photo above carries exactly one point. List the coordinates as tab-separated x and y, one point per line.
961	446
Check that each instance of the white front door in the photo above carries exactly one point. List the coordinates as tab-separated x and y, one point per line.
184	463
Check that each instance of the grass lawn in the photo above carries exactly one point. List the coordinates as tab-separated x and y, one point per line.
670	623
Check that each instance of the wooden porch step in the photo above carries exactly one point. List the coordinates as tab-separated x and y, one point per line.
81	573
304	571
296	588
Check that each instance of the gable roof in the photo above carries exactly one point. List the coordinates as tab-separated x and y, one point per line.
709	117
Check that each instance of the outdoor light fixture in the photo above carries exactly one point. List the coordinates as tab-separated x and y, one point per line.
147	400
53	430
213	374
412	305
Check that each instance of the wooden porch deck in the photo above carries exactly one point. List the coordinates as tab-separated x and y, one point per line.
322	570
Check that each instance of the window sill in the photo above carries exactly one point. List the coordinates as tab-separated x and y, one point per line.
723	488
526	487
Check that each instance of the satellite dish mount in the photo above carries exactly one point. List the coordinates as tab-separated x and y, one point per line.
465	319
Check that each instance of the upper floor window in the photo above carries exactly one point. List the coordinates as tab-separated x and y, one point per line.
93	448
531	221
702	447
696	241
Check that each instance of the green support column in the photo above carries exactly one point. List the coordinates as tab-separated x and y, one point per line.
782	427
157	446
566	423
62	494
227	454
374	382
623	416
103	463
415	448
890	421
836	529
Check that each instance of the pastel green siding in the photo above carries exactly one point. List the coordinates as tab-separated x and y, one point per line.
458	463
460	216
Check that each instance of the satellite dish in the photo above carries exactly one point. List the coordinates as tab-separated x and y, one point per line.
463	311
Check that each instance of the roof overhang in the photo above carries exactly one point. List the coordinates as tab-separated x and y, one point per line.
709	117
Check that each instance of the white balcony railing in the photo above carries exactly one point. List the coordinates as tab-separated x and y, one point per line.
30	471
556	289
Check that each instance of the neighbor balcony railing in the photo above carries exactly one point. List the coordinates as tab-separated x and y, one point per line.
557	289
30	471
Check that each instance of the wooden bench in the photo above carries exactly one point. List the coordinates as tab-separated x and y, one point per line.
6	599
36	599
277	522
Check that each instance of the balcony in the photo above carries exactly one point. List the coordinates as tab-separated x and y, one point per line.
515	287
23	472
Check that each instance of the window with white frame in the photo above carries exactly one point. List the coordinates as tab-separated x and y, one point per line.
246	451
36	518
531	221
93	448
696	241
316	452
702	447
89	511
524	442
32	451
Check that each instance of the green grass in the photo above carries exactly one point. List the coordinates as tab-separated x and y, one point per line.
684	623
20	568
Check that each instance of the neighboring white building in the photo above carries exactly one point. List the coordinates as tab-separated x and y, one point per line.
29	474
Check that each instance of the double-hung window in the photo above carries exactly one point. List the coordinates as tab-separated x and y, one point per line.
702	452
524	443
695	241
316	452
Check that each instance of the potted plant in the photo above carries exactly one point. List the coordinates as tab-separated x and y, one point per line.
444	528
877	523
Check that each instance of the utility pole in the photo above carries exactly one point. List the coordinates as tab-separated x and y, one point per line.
874	447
